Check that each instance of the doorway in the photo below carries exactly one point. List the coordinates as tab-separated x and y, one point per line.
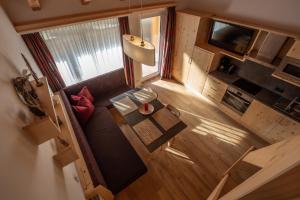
151	29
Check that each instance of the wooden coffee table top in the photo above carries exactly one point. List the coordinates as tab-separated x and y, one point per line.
153	130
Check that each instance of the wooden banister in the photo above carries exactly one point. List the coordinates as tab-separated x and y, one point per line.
238	161
218	189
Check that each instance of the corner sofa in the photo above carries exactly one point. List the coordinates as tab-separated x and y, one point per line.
110	159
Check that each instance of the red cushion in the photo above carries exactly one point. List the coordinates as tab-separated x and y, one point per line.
84	110
85	92
75	99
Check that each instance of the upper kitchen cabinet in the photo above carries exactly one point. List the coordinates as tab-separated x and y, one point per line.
295	50
187	25
269	48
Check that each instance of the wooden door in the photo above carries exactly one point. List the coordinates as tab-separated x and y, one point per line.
201	61
186	33
261	119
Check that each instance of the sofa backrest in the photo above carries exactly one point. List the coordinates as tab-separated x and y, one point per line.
100	84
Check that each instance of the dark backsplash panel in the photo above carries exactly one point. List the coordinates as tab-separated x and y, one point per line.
262	76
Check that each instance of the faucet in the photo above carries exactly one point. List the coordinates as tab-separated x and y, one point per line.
288	108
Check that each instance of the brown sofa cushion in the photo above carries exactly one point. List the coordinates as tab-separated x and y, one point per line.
104	99
119	163
99	85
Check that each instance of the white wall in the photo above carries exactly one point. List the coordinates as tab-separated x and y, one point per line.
283	14
27	171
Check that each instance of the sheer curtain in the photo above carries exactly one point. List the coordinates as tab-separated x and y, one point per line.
82	51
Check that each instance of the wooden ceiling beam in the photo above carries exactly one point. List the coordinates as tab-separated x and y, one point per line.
38	25
84	2
34	4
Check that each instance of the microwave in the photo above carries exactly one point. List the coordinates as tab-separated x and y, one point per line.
289	71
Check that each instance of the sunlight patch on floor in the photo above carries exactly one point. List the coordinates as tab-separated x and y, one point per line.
178	154
207	127
172	86
219	136
213	122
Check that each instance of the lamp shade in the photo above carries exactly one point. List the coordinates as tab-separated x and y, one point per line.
144	54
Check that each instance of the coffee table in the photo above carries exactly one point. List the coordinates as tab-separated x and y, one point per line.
153	130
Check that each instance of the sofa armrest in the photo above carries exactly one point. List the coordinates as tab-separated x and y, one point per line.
99	191
100	84
96	175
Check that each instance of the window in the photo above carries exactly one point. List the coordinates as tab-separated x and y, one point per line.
151	31
83	51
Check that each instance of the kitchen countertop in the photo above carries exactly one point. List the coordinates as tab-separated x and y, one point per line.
226	78
265	96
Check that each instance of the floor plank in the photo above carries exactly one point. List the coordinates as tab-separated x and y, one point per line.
193	165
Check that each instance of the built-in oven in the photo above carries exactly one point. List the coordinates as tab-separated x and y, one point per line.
289	71
236	100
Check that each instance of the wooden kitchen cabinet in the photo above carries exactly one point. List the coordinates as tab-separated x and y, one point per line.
295	50
285	128
268	123
200	64
260	119
214	89
186	33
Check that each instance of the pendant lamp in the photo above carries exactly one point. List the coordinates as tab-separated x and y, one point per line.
138	49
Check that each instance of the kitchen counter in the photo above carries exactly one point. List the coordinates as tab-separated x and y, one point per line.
224	77
264	96
267	97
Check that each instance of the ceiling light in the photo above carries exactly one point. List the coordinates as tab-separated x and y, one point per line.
137	48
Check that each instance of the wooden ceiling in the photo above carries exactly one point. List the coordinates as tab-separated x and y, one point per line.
36	5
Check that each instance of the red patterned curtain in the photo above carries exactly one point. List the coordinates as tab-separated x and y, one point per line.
44	60
166	60
128	62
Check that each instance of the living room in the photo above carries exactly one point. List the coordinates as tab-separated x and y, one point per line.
126	99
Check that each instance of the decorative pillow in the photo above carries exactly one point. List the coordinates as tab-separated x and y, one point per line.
75	99
84	110
86	93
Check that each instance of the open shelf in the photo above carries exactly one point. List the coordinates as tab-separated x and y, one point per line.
45	96
65	156
269	49
216	50
42	130
64	146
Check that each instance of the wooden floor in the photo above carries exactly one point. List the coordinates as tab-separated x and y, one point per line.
197	159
